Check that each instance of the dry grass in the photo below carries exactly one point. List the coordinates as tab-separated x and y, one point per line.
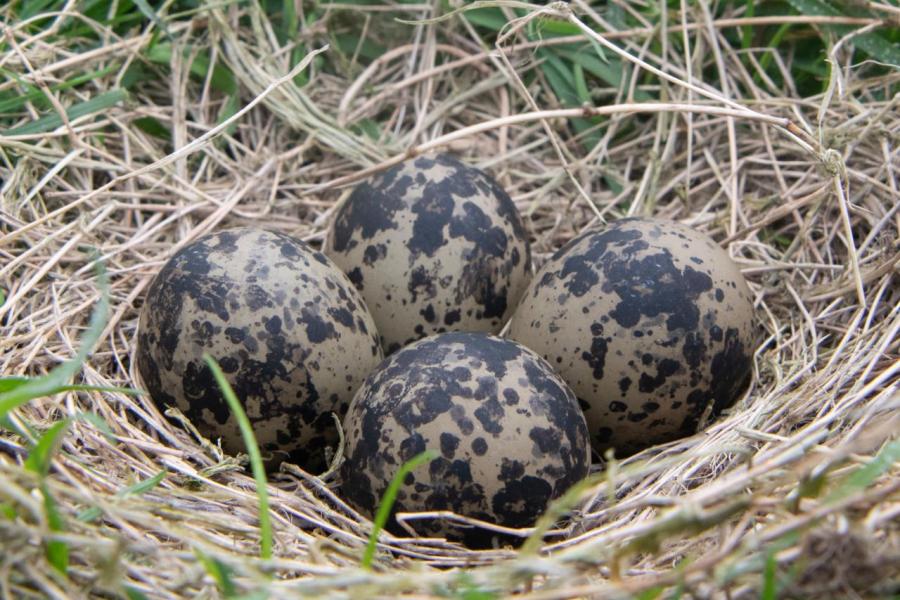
804	192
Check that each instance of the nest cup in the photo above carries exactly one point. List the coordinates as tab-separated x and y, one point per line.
801	469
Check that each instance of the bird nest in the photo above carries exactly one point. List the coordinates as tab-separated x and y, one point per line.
795	490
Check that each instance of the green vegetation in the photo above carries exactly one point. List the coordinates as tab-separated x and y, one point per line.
256	463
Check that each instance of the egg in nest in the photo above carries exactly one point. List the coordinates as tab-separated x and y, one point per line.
650	323
288	329
433	245
510	434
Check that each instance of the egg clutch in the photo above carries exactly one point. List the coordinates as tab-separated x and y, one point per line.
630	335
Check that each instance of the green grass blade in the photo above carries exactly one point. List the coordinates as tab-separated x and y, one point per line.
51	382
10	383
148	12
581	88
222	79
57	551
766	58
41	454
769	589
290	21
134	594
18	102
747	30
142	487
872	43
33	8
489	18
219	571
99	103
387	502
137	489
866	475
256	463
650	594
556	510
478	4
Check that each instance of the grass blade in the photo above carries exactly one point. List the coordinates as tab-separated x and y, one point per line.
39	457
865	475
256	463
137	489
872	43
100	103
18	102
148	12
219	571
387	502
10	383
770	583
57	551
56	379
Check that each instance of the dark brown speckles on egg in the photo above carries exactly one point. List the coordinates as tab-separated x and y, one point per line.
288	329
510	434
664	318
433	245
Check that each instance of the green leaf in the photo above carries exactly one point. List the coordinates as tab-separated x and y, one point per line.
231	106
219	571
142	487
767	57
256	463
871	43
387	502
555	511
134	594
54	380
469	589
769	589
137	489
99	103
11	383
222	79
39	457
866	475
584	96
560	78
148	12
650	594
558	28
608	71
19	101
368	127
289	20
368	49
154	127
489	18
33	8
7	511
57	551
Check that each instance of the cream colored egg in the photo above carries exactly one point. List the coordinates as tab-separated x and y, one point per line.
651	324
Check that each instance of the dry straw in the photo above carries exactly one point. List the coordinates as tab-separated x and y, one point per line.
797	485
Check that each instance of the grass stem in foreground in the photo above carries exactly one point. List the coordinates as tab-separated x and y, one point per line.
256	464
387	502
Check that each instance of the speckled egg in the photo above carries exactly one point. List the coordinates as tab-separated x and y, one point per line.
649	321
509	431
290	332
433	245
